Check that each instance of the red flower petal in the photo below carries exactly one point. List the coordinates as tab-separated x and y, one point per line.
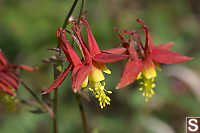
58	80
93	46
120	34
27	68
81	76
106	58
14	76
14	67
7	83
132	52
137	37
6	89
115	51
74	74
164	46
10	78
3	59
58	34
68	50
167	57
148	40
130	73
84	49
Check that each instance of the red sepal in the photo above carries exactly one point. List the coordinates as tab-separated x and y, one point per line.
130	73
6	89
148	40
7	83
93	46
164	46
107	58
115	51
58	80
81	76
10	78
68	50
27	68
167	57
74	74
86	53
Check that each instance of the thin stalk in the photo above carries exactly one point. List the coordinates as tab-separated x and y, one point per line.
31	92
43	104
55	101
69	14
56	73
81	10
82	112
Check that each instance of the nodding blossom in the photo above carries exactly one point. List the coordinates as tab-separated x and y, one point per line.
9	79
86	73
143	59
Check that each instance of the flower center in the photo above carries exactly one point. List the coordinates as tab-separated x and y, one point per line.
149	72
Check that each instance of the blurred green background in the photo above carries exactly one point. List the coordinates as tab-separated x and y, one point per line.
28	28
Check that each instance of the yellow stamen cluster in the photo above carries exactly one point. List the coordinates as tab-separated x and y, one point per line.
99	92
9	100
95	84
147	85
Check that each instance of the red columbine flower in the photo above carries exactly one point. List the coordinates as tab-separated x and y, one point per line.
95	80
89	72
9	80
75	65
141	64
152	56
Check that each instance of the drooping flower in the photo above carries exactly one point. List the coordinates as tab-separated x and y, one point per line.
95	80
152	56
87	73
9	79
75	64
143	60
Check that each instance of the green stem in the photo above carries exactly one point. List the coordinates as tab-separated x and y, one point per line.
81	10
43	104
31	92
55	119
55	101
82	112
69	14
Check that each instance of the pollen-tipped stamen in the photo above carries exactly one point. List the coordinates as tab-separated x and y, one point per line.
146	86
99	92
96	85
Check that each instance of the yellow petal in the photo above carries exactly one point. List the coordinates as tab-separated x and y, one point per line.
96	75
106	70
149	72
